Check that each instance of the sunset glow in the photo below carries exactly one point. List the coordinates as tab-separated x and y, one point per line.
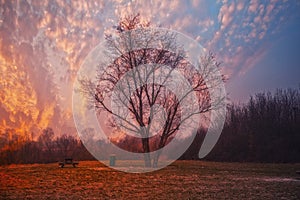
42	45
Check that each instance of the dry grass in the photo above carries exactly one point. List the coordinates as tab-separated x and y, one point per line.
181	180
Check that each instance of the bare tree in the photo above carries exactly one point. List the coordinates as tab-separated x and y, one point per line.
142	85
66	145
45	139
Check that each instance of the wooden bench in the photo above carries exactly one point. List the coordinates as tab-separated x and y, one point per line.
68	161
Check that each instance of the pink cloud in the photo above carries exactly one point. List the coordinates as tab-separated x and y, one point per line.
240	5
253	6
270	7
196	3
250	61
225	14
242	61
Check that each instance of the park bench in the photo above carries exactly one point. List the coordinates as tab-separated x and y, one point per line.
68	161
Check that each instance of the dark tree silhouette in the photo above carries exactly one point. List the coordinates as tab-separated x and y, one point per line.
138	98
266	129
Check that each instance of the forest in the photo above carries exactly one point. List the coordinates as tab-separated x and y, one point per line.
265	129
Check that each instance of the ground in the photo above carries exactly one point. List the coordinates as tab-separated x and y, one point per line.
180	180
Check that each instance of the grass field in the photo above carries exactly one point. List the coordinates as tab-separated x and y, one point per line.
181	180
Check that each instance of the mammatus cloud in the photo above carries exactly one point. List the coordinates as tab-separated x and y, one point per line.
235	30
41	47
43	43
246	29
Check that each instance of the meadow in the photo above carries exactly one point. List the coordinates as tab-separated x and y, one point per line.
180	180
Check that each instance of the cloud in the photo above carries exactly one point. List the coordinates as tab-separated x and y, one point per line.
253	6
196	3
252	60
226	15
47	41
253	28
240	5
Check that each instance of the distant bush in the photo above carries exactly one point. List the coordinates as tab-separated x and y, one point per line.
44	150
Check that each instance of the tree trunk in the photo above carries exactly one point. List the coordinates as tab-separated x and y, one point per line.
158	152
146	149
147	160
155	159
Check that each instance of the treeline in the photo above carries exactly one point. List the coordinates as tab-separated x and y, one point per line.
46	149
266	129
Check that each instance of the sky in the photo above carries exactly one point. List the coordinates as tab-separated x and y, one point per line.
43	43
